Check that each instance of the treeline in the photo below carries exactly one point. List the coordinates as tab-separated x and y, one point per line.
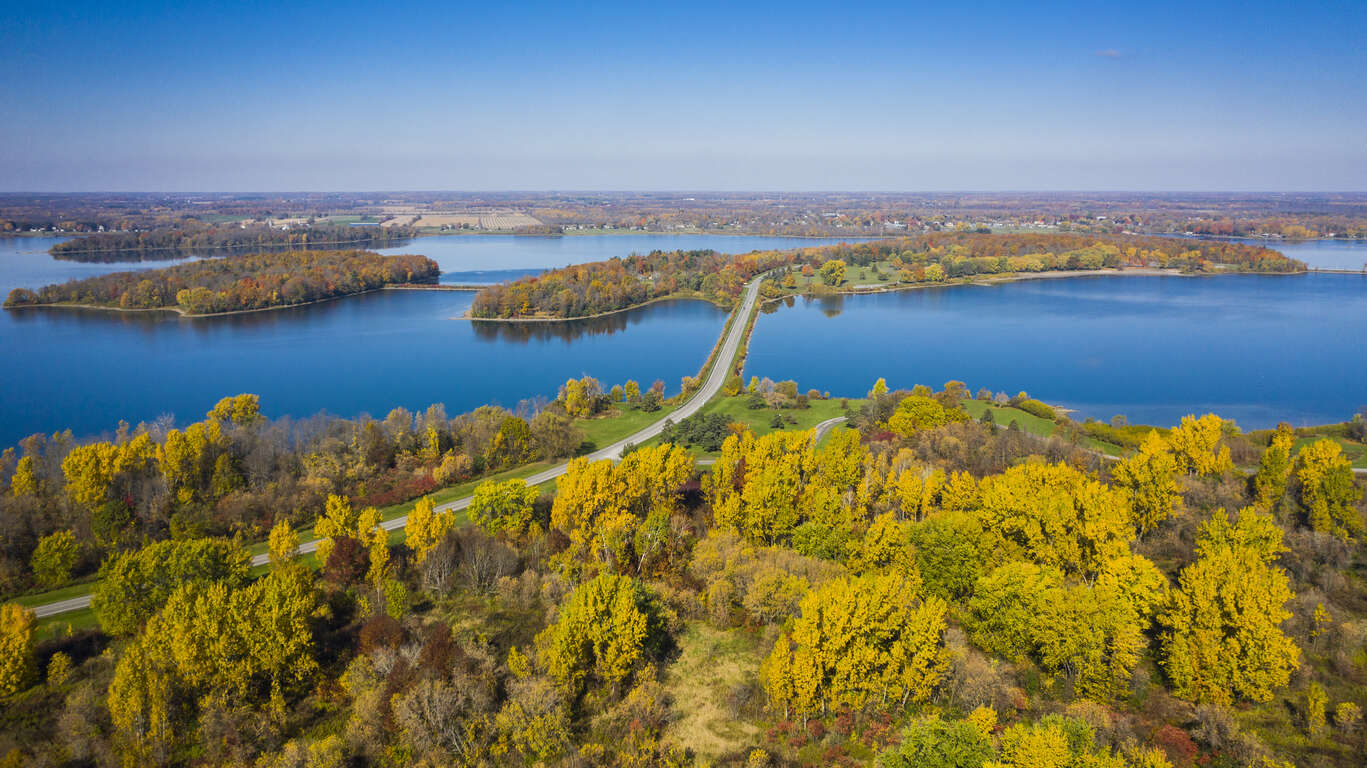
618	283
239	473
165	243
256	281
606	286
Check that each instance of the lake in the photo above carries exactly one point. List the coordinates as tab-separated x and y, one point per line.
1257	349
87	369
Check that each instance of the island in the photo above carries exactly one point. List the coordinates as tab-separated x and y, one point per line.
597	288
236	284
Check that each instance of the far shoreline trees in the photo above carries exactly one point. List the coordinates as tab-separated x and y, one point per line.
239	283
608	286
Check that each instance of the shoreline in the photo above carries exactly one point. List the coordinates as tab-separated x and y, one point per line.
185	315
656	300
871	289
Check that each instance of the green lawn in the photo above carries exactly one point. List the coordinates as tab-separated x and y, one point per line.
1028	422
857	277
758	420
1356	452
606	430
52	596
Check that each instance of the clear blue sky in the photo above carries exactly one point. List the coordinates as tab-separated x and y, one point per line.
231	96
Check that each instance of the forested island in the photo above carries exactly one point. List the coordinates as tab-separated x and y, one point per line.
238	283
608	286
168	243
933	585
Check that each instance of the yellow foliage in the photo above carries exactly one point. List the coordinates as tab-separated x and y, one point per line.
1198	448
16	648
859	642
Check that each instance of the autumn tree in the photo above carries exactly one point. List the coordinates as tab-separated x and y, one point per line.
1274	469
283	545
1221	632
54	558
607	628
1198	446
504	507
16	648
861	642
340	520
1055	516
426	527
599	506
134	585
832	272
1325	490
918	412
1149	477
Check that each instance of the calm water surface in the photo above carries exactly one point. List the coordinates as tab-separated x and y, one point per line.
1258	349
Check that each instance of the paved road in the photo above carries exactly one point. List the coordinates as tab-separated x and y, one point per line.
715	379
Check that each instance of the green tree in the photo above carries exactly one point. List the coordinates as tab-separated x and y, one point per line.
930	742
1005	606
54	558
504	507
134	585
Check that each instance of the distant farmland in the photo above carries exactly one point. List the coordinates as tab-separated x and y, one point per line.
481	220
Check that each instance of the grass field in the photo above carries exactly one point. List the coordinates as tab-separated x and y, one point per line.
856	277
1356	452
711	666
1028	422
758	420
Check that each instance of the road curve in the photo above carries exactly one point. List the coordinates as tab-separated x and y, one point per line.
716	378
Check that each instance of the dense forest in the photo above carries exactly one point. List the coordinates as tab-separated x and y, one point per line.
255	281
920	589
167	243
615	284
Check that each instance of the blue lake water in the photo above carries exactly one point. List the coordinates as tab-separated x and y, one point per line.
1257	349
473	259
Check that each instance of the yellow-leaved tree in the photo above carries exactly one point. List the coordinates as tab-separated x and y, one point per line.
505	507
1198	446
426	527
1149	477
1328	497
1055	516
607	628
1275	467
864	642
1221	632
16	648
600	506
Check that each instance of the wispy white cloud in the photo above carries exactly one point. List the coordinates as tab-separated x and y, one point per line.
1110	53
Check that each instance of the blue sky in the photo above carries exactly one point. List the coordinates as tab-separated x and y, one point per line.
200	96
